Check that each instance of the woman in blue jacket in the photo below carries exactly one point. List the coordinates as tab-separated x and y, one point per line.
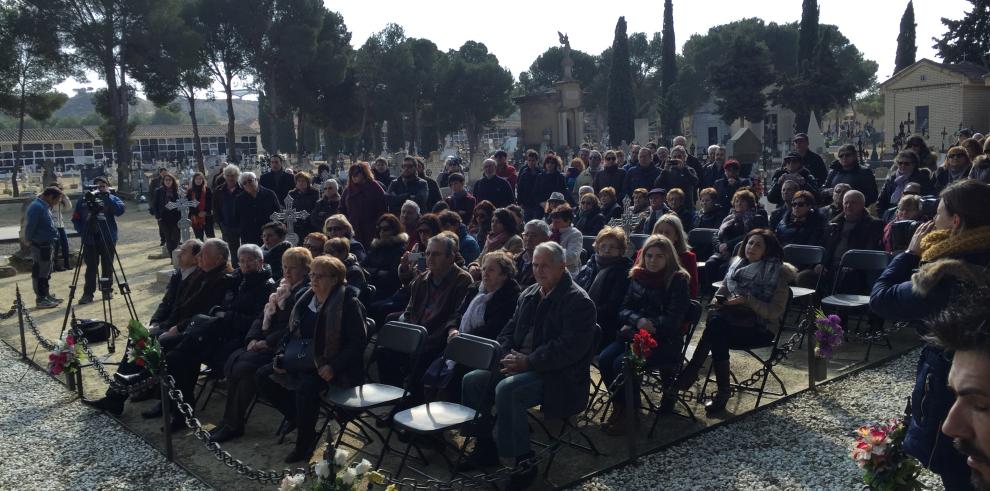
946	255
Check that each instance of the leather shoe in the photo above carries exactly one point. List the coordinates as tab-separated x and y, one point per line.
146	395
225	433
110	405
87	298
154	412
298	455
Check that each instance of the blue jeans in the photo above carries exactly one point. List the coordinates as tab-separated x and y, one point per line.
514	395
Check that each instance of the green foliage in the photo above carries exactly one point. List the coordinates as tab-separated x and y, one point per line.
967	39
621	105
906	45
871	104
671	109
546	69
738	86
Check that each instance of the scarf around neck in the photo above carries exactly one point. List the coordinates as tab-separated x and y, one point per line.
650	280
496	241
757	279
942	243
474	316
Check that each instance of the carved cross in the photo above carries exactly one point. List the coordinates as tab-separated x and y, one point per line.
288	216
183	205
629	220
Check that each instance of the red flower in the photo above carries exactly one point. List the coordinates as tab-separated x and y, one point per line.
140	343
139	362
69	340
643	343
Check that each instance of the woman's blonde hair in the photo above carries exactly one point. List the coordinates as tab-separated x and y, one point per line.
667	248
674	221
612	233
297	256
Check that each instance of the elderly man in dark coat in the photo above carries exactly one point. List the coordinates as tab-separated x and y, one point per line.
546	354
253	208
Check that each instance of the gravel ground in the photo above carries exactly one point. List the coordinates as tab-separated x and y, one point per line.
803	443
48	440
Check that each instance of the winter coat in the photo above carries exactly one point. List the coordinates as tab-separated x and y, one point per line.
224	205
382	264
674	177
526	187
39	228
468	245
867	234
345	360
860	178
160	210
323	209
711	219
614	280
590	222
206	290
273	258
450	294
943	177
494	189
363	205
769	312
113	207
244	302
384	179
252	213
814	163
280	182
640	177
712	172
498	310
197	194
919	176
305	200
413	189
462	205
779	177
666	308
726	190
613	177
549	183
612	211
901	294
563	329
278	324
810	231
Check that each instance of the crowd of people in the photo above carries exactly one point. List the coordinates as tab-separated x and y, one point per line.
507	260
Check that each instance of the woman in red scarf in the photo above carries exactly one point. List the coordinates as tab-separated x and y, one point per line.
657	301
201	216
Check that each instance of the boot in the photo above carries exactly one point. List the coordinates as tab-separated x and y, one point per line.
484	455
669	397
524	474
112	403
717	404
689	375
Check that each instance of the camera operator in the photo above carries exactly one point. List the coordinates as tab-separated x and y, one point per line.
107	207
41	234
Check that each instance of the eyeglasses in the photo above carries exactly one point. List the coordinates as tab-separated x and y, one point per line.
798	204
904	162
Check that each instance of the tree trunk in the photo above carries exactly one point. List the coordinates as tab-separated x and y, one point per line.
300	136
231	143
20	144
197	145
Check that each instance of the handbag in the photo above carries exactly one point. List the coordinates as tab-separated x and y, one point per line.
298	356
96	331
737	315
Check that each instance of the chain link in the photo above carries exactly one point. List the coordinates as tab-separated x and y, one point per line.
48	345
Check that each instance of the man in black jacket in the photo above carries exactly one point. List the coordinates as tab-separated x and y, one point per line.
180	280
490	187
793	170
526	186
253	208
408	186
278	179
847	169
546	351
811	160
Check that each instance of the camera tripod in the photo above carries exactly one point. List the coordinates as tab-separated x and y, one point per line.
97	221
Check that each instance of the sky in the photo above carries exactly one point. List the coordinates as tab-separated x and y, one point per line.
518	31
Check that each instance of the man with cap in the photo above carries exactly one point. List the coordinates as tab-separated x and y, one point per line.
658	208
727	185
556	199
793	170
99	236
811	160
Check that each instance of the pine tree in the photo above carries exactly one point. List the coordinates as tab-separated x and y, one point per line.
906	45
621	106
966	39
670	117
808	38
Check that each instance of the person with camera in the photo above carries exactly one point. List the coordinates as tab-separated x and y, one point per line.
946	256
95	220
41	234
793	170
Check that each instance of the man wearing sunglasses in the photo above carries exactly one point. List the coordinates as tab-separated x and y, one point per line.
848	169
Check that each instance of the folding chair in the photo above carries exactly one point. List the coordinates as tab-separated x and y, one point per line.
802	256
870	263
702	240
398	337
435	417
637	240
208	381
765	362
588	242
693	319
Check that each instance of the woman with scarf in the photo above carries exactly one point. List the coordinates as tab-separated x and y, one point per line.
363	202
502	235
262	340
304	197
168	219
590	220
657	300
801	223
908	169
605	277
734	227
327	335
926	159
957	166
947	255
201	217
481	221
382	262
744	312
568	236
486	309
670	227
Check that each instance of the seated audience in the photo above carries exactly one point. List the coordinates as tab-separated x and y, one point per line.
409	215
908	169
555	200
677	174
314	242
304	197
911	189
947	257
273	246
677	202
545	361
727	186
611	208
734	227
481	222
657	300
567	236
744	312
260	343
712	212
451	222
787	191
460	200
670	227
339	247
658	208
908	209
327	206
426	227
338	226
434	297
605	277
847	169
611	176
503	234
854	229
956	168
801	223
535	233
180	280
330	319
590	219
834	208
793	170
382	263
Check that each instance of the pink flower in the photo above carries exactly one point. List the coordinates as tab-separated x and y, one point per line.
70	340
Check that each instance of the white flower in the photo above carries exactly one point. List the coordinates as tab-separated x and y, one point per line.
349	476
292	482
323	469
362	467
340	457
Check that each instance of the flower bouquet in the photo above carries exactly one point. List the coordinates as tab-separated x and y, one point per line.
878	452
65	357
828	334
334	476
145	350
640	348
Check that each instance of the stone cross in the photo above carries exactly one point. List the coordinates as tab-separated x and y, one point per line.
183	205
629	221
288	216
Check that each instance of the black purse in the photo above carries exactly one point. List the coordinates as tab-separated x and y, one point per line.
298	356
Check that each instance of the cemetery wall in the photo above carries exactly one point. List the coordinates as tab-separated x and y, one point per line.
945	106
976	108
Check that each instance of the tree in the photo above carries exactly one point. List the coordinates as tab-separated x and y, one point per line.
621	106
808	38
644	56
232	31
738	87
670	108
906	46
476	90
546	70
967	39
35	65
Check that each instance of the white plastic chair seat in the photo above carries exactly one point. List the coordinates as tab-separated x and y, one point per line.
846	300
434	416
364	396
800	292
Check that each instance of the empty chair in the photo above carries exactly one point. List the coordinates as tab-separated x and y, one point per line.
803	257
638	240
853	305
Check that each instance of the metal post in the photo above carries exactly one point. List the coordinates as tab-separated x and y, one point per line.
809	336
166	417
632	409
20	321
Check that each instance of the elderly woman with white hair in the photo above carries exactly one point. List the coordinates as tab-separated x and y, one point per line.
253	208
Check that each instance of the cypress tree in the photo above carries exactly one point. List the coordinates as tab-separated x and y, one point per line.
807	45
906	45
621	106
670	118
